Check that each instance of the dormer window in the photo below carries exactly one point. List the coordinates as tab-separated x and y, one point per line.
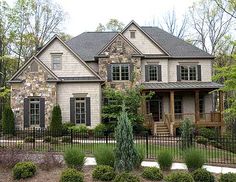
132	34
34	67
56	61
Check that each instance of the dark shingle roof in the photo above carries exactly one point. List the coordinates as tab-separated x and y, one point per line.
182	85
88	44
174	46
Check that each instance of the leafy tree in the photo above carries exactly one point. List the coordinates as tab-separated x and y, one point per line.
126	155
8	121
56	123
187	129
112	25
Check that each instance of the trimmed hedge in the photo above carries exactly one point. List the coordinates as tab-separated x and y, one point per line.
202	175
126	177
24	170
71	175
152	173
103	173
228	177
179	177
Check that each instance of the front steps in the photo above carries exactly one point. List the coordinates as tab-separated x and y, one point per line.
161	129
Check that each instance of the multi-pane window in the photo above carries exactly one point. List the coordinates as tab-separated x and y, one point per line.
178	107
188	72
120	72
80	110
56	61
34	67
153	75
132	34
34	109
201	106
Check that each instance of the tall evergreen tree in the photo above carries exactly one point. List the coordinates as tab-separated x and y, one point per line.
8	124
56	123
126	155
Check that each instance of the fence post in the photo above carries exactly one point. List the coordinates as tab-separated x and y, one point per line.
71	137
34	138
146	136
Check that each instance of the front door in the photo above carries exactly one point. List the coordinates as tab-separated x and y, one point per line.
154	106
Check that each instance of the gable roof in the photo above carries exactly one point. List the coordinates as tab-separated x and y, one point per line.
88	44
13	79
113	39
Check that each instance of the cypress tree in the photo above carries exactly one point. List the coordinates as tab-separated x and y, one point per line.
126	155
56	123
8	124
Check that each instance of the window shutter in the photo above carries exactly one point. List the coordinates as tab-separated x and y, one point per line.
199	72
72	110
159	73
109	77
42	112
178	73
147	73
131	69
88	111
26	112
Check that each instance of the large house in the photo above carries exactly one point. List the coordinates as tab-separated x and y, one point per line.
73	73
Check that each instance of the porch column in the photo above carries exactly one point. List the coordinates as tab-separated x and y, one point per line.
172	105
143	104
197	112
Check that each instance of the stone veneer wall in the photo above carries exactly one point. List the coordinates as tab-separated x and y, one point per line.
34	84
120	54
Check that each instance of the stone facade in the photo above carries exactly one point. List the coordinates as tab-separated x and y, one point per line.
120	52
34	84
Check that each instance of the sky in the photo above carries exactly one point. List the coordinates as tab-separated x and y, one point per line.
85	15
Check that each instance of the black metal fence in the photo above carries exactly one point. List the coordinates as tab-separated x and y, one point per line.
221	150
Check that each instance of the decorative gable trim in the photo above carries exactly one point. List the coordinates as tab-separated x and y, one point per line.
33	58
112	41
67	47
147	35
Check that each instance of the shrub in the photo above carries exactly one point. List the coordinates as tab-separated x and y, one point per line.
66	139
54	140
152	173
103	173
74	158
179	177
24	170
141	156
80	129
186	129
56	123
194	159
71	175
165	160
66	126
8	123
47	139
126	177
207	133
228	177
29	140
105	156
202	140
100	130
202	175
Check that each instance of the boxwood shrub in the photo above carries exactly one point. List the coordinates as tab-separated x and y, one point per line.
179	177
71	175
126	177
202	175
74	158
24	170
228	177
29	140
103	173
66	139
152	173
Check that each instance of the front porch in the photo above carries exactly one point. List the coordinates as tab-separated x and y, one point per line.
168	107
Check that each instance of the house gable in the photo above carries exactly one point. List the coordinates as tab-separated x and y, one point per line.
71	64
142	40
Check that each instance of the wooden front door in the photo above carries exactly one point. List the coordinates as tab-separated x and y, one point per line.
154	106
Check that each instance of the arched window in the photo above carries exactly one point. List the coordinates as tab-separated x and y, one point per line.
34	67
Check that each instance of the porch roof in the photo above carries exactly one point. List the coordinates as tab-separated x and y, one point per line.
181	85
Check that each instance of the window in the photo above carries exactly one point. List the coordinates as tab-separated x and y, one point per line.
34	67
153	75
178	107
132	34
80	110
56	61
201	106
188	72
120	72
34	115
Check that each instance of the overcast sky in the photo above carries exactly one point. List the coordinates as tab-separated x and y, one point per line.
84	15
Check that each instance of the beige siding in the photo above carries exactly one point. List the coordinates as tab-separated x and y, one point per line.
206	66
71	66
142	42
93	65
93	91
164	68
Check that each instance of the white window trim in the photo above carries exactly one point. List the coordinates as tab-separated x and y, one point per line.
156	65
53	55
189	65
120	73
34	125
85	111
